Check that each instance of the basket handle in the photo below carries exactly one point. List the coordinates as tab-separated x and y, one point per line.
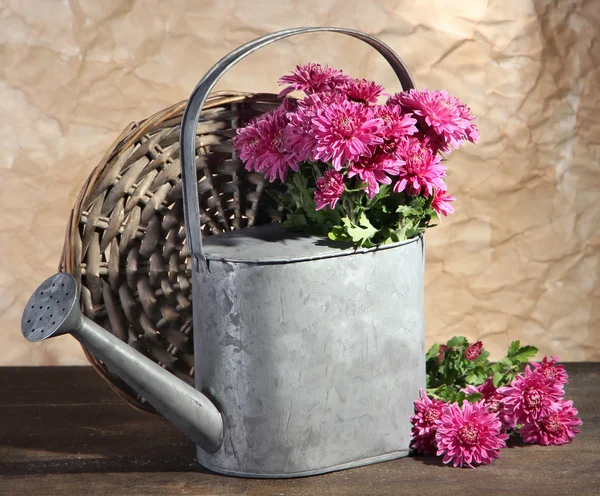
194	106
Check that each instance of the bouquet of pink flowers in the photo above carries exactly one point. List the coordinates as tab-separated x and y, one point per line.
356	170
471	406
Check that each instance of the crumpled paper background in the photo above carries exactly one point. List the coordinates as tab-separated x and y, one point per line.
519	260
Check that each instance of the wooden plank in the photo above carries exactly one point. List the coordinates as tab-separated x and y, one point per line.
53	385
64	432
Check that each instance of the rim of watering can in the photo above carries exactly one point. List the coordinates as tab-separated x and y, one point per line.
321	248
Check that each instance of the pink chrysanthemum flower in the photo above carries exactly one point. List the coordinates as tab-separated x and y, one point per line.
441	203
312	78
362	91
299	137
471	131
330	187
317	100
375	171
469	436
261	145
473	351
551	369
248	143
448	119
396	124
427	412
422	170
531	396
554	429
442	352
494	402
345	132
274	159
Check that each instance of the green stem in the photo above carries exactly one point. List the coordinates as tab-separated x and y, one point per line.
316	171
347	205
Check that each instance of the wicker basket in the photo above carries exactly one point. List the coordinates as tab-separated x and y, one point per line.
125	243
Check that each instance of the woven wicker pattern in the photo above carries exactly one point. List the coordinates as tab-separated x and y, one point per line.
125	242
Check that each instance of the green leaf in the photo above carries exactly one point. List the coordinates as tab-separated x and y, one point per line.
419	202
433	352
338	233
474	397
505	362
407	210
361	233
384	192
447	392
457	341
392	238
498	376
472	379
400	234
295	221
524	353
412	232
512	349
300	182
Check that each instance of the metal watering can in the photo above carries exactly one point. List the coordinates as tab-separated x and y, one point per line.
308	356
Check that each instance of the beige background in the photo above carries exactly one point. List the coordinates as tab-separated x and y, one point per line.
519	260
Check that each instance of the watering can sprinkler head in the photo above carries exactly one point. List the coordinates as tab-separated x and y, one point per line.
54	309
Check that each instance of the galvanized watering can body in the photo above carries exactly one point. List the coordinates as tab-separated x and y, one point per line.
308	355
315	356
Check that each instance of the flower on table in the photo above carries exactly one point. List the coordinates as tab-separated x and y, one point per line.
473	351
470	435
552	370
555	428
442	353
494	401
427	413
480	404
532	396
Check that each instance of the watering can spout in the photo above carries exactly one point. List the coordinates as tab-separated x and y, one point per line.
54	309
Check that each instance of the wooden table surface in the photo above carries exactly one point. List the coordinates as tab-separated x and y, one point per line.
64	432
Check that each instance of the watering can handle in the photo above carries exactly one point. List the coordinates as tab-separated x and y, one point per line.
194	106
